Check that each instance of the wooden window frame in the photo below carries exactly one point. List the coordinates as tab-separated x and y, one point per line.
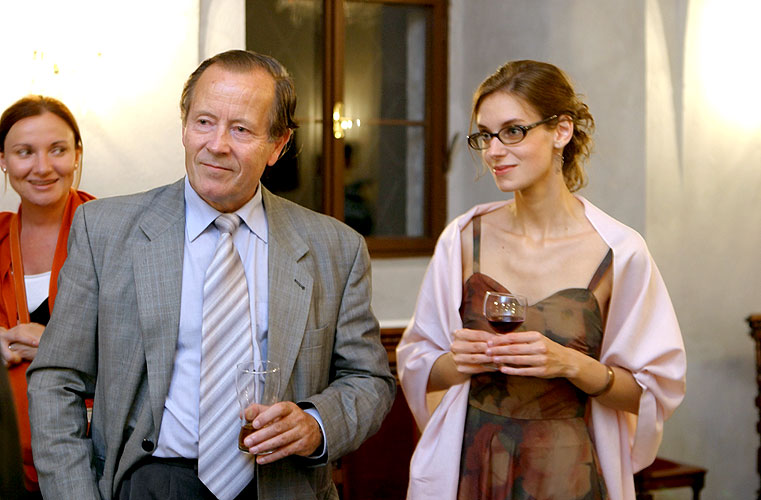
435	122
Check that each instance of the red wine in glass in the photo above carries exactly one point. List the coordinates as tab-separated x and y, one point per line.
505	324
504	311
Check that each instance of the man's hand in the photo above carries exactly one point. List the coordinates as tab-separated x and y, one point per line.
284	429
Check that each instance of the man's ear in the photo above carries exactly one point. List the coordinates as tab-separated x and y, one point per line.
279	147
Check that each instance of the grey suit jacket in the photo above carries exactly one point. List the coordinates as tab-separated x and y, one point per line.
114	331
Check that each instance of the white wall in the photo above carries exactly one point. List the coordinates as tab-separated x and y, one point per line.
120	72
703	220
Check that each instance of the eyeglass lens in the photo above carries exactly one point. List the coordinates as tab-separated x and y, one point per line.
512	134
508	135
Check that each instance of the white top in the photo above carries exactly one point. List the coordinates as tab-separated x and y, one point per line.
37	289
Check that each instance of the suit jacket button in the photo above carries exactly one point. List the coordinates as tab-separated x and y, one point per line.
148	445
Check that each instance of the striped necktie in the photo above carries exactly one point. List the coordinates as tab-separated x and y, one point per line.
227	339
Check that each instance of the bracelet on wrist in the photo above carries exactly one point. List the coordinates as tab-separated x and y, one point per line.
608	384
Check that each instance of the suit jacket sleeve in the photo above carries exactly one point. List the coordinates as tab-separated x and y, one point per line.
62	375
362	388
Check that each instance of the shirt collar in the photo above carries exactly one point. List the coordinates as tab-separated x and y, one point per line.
199	214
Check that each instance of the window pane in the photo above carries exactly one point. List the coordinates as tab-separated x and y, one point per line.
385	99
292	33
385	181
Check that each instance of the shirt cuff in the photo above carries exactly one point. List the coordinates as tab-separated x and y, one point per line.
321	451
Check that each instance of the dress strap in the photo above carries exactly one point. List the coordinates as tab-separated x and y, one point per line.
601	270
476	244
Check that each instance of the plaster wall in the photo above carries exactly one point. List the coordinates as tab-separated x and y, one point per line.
121	77
703	213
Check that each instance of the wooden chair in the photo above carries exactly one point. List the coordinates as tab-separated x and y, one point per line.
664	474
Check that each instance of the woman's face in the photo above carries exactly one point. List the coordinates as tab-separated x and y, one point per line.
517	166
40	159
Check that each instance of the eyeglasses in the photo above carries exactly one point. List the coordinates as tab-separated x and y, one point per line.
512	134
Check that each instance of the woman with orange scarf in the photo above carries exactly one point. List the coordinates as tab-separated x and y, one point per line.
40	154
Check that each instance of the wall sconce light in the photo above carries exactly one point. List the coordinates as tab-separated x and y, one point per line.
342	123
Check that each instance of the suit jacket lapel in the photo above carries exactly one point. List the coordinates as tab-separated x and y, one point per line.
157	265
290	288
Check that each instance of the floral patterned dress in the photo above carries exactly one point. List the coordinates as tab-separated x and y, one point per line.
526	438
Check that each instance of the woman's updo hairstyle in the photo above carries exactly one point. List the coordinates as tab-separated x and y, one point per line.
548	90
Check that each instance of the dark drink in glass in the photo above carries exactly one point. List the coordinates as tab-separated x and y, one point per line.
245	430
505	324
504	311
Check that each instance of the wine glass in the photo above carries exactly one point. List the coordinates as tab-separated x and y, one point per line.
504	311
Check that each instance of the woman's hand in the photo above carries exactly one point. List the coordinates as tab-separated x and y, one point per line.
466	357
469	351
20	342
532	354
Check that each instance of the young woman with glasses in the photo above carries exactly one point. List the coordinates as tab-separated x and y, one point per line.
572	403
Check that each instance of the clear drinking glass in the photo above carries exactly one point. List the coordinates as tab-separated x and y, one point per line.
257	384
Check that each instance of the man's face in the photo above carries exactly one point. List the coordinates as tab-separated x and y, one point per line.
226	136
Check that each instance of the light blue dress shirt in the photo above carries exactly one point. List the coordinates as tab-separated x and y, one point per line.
178	436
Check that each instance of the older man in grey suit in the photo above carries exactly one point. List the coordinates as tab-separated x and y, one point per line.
131	323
